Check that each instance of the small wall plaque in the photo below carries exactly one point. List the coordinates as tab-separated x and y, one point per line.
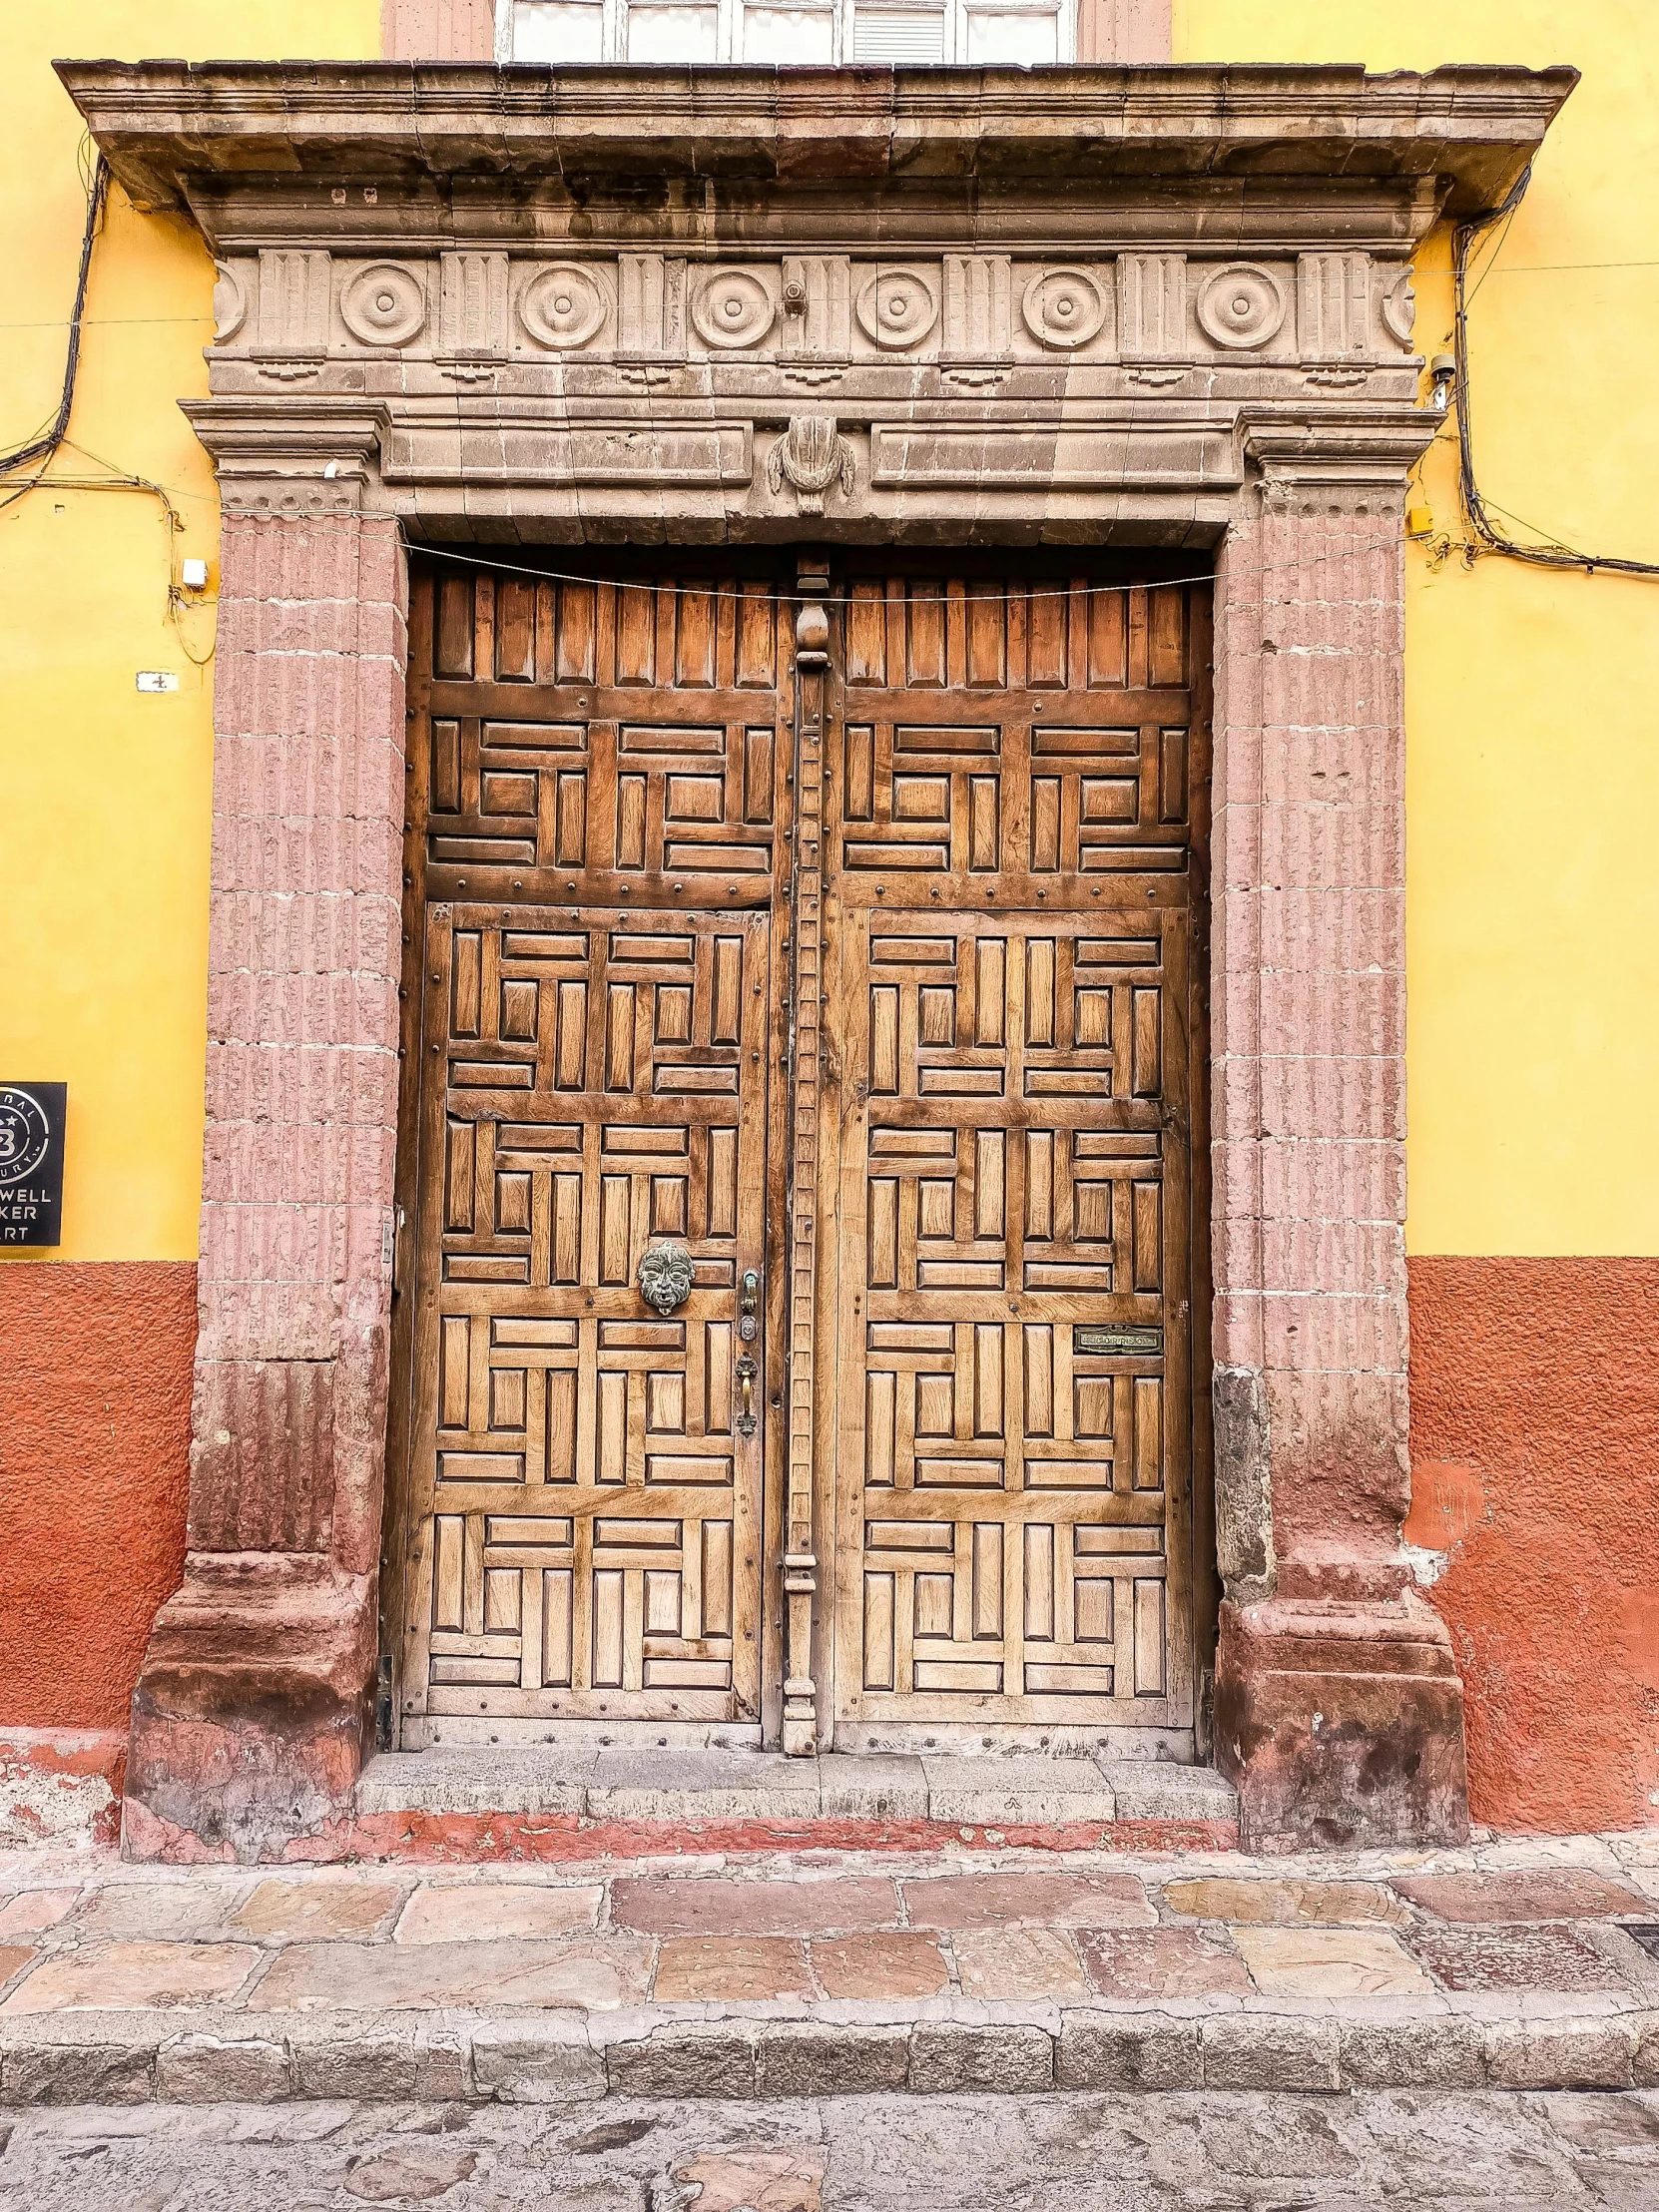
31	1162
1141	1343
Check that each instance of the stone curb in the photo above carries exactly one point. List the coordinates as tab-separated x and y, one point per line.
539	2058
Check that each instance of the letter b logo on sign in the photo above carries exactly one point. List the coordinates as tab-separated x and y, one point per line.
31	1162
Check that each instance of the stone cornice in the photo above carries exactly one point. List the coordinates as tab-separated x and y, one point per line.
177	132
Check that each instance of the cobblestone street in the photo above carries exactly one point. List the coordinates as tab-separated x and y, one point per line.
1173	2153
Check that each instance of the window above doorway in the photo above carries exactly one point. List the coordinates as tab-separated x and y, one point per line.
820	33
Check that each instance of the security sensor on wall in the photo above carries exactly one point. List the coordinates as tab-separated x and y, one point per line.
1442	371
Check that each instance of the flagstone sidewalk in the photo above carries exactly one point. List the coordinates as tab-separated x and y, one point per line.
1524	1964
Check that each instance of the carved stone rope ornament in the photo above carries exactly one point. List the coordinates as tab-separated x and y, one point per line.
811	662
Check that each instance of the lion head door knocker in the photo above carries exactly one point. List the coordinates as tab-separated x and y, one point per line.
665	1275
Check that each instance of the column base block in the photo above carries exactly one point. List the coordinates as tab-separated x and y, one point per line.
1341	1725
254	1710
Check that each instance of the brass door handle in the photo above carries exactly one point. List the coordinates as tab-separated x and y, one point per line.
746	1379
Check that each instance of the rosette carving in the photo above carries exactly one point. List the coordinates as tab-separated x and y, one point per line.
1063	308
896	307
734	309
562	307
384	304
1240	308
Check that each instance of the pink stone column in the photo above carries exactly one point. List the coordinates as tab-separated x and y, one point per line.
254	1705
438	31
1339	1711
1123	32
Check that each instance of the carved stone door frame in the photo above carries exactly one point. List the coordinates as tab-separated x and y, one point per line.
443	310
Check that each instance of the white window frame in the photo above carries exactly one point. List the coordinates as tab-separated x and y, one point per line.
956	21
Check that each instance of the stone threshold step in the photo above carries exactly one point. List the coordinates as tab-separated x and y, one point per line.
709	1784
201	2057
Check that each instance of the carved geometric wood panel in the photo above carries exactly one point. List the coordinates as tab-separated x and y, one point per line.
1014	830
592	1536
596	778
623	739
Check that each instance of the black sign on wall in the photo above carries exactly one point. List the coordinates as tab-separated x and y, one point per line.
31	1162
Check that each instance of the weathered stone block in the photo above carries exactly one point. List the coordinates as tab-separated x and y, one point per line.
804	2058
210	2069
1127	2051
1559	2053
1441	2052
536	2062
954	2057
1269	2050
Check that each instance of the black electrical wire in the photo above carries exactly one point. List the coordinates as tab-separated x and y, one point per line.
45	443
1478	511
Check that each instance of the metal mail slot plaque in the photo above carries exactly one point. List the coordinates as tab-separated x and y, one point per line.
1144	1344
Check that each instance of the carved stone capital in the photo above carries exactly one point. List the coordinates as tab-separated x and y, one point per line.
1363	453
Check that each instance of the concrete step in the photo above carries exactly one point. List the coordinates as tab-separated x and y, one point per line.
1085	1800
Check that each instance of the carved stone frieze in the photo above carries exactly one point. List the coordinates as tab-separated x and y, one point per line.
819	311
1054	334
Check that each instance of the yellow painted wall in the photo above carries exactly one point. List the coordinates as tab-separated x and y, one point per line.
105	825
1534	769
1532	910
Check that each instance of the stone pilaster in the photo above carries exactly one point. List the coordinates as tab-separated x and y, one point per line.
1337	1707
1123	31
438	31
253	1703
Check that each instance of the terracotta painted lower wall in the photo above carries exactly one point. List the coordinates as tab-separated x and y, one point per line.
1536	1450
95	1384
1535	1468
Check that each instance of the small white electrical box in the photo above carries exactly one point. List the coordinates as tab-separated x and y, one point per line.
194	574
156	679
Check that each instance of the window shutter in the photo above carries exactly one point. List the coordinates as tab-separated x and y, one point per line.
897	33
780	32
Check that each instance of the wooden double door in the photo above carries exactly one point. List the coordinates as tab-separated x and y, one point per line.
597	1353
